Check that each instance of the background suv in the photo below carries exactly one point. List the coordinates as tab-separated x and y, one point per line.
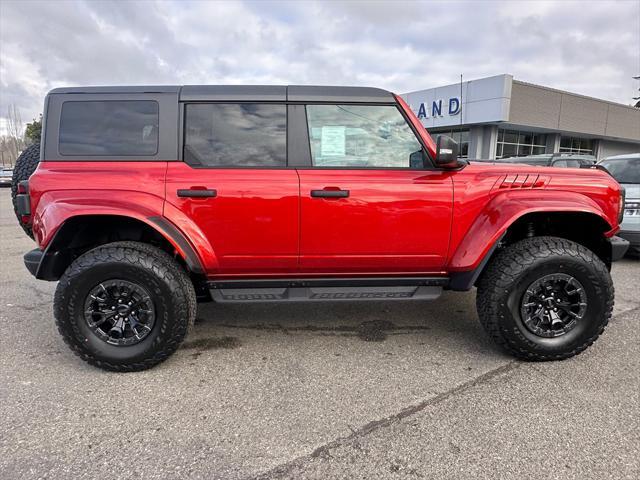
562	160
626	170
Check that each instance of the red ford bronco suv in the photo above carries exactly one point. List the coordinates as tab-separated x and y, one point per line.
146	200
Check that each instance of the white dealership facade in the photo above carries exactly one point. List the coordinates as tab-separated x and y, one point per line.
499	117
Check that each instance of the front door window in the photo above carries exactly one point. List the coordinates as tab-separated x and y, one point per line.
361	136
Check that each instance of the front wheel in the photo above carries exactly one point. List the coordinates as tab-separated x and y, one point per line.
124	306
545	298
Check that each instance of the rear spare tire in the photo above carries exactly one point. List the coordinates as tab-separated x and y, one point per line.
25	165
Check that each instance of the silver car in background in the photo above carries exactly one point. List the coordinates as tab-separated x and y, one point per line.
626	170
6	173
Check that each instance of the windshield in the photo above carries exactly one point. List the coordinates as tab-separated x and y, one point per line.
624	171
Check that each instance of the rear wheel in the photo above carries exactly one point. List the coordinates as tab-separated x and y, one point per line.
124	306
545	298
25	165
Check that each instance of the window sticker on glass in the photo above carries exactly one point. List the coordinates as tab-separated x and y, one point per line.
333	141
360	136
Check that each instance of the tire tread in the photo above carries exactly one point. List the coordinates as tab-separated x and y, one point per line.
25	165
502	273
147	257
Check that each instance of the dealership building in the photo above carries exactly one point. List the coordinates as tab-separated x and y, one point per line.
498	117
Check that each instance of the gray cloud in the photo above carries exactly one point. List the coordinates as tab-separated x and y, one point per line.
592	48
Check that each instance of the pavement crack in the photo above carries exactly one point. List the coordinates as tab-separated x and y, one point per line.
356	434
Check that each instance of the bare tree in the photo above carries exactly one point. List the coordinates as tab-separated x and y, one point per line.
15	129
7	151
13	142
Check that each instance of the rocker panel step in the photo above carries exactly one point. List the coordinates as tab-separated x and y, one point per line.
319	293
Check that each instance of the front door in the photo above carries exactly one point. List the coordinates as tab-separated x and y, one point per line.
368	204
234	184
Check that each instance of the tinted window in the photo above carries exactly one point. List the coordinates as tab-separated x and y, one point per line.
515	143
624	171
576	145
236	135
113	128
567	163
361	136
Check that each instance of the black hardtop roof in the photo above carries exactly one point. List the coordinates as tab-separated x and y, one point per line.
247	93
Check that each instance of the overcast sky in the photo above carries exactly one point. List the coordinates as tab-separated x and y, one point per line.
589	47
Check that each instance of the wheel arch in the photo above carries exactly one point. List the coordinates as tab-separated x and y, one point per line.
81	233
586	228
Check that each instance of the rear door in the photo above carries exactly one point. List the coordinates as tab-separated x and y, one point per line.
235	185
370	204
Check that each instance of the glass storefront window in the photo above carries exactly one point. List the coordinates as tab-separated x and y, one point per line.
508	150
576	145
524	150
510	137
512	143
459	135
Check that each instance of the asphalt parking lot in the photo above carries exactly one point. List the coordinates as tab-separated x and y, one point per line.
348	390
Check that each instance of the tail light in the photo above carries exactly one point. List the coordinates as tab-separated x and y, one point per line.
23	202
623	195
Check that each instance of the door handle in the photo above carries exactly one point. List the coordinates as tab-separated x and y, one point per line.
195	193
330	193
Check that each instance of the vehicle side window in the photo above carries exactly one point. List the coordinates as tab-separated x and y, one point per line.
567	163
118	128
235	135
362	136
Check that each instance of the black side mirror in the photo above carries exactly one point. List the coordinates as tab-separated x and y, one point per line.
446	152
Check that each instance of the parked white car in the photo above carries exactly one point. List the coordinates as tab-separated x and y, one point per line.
626	170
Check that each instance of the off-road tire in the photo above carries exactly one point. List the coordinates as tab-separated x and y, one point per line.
504	282
170	288
25	165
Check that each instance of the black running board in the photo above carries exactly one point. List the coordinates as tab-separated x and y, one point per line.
343	289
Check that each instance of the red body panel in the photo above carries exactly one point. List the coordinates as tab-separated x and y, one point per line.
490	197
252	224
264	223
374	229
61	190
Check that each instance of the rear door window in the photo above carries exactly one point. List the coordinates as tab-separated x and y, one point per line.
109	128
227	135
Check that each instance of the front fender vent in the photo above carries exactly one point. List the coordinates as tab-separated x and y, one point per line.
523	180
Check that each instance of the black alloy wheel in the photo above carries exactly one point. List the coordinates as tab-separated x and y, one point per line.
553	305
119	312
